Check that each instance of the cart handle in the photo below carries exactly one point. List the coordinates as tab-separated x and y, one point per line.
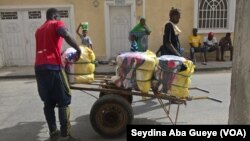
204	97
196	88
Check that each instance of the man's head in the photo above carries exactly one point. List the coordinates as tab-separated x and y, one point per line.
195	30
52	14
174	15
142	21
228	34
210	35
84	32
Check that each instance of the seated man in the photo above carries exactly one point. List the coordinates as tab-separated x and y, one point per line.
195	44
226	44
211	44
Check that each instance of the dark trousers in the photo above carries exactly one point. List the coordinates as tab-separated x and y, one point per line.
195	49
53	89
211	49
225	48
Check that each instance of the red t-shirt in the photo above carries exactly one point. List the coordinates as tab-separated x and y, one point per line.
49	44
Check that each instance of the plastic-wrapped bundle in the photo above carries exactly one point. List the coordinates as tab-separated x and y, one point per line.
165	72
135	70
81	71
182	81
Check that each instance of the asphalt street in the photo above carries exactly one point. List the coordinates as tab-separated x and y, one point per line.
21	110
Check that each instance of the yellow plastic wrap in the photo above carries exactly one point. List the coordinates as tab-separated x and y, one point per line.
84	68
83	79
87	54
143	73
82	71
150	62
182	81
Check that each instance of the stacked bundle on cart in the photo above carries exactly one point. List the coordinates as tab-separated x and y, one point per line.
173	75
181	84
81	71
135	70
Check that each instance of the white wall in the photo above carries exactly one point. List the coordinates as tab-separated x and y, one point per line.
1	60
1	54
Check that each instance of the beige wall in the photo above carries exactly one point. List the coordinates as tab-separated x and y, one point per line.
83	11
156	12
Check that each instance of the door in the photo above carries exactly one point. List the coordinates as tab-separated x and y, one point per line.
120	25
32	19
17	33
12	38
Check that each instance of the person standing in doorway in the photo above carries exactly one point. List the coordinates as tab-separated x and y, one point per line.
141	32
52	83
139	35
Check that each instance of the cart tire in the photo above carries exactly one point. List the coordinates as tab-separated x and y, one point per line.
110	115
129	98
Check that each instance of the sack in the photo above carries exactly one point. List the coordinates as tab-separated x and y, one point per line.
165	72
135	70
81	71
181	83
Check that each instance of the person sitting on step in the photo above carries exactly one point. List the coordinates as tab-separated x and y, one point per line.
210	45
226	44
195	45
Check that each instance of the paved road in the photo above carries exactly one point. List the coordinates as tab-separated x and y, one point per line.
21	114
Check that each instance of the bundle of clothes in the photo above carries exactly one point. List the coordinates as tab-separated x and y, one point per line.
144	71
81	71
140	71
135	70
173	75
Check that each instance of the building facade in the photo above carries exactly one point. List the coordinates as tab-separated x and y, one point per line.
109	23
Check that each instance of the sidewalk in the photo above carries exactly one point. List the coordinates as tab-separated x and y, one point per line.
107	69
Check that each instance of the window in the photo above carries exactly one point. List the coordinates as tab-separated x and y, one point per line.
9	15
119	2
215	15
34	14
64	13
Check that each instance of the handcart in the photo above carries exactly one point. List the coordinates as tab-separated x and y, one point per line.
111	113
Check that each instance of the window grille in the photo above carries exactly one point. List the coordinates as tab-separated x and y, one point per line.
9	15
64	13
34	14
213	14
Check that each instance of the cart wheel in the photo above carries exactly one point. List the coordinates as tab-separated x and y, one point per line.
110	115
129	98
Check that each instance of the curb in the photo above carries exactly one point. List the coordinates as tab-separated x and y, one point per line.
213	69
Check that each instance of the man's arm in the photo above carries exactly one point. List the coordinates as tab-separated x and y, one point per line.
230	42
190	41
172	49
205	41
78	30
90	43
190	44
63	32
215	41
148	31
